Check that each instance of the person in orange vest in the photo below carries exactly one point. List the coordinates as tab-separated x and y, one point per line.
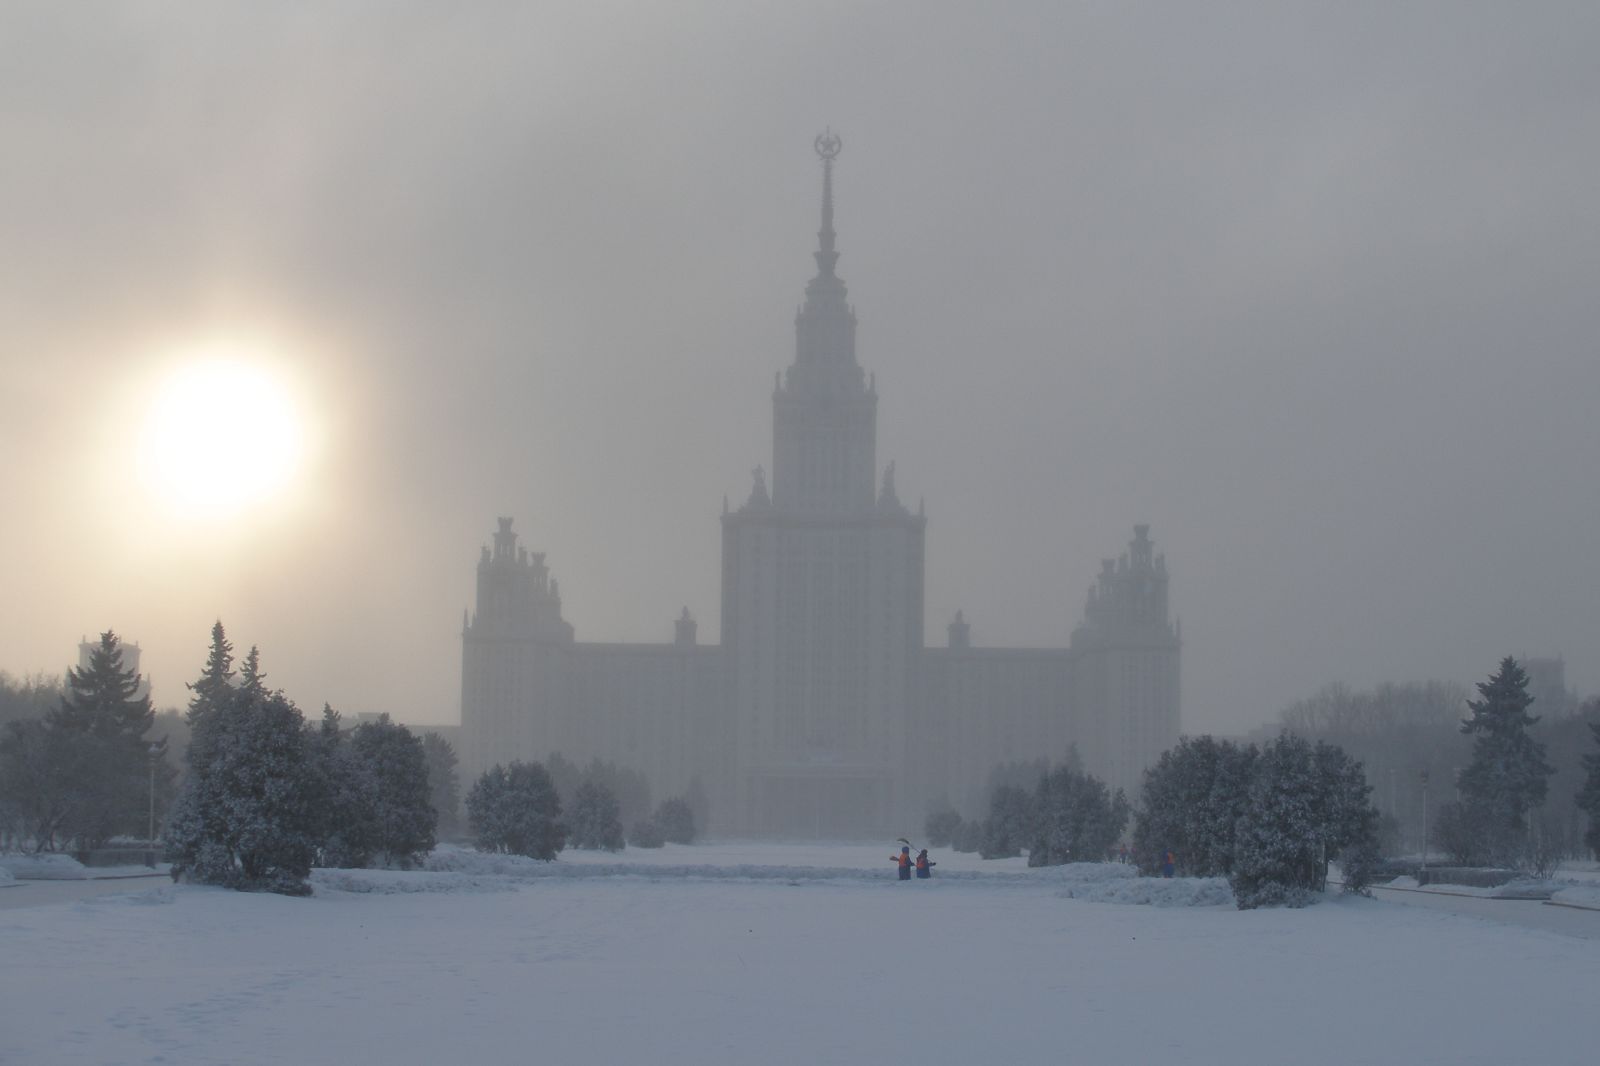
924	867
904	859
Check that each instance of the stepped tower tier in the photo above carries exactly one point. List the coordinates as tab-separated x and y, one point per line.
825	411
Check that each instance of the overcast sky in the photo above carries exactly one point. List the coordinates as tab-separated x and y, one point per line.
1313	291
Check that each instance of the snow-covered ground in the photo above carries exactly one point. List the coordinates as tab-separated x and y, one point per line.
774	954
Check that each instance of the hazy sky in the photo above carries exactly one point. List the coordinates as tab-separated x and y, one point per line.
1311	290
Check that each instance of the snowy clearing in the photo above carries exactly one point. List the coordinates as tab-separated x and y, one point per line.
656	957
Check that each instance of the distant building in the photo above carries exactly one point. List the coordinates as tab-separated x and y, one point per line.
821	713
1547	684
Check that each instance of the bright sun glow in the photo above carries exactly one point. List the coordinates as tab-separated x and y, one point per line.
221	436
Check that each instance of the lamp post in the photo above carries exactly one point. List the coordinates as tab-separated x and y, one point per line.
1424	880
150	833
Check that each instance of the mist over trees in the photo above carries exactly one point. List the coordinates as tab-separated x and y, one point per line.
1410	737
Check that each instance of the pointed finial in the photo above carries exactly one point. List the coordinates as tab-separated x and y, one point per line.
827	146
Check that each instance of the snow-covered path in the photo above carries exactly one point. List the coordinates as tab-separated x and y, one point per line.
666	970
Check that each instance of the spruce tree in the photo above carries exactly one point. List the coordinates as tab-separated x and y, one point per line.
1589	796
247	817
1508	776
98	746
345	797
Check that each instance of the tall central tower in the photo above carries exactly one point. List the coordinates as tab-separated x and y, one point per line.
824	413
822	592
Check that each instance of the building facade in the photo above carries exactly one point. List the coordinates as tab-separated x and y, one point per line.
821	713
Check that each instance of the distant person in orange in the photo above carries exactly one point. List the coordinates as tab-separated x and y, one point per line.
904	859
924	866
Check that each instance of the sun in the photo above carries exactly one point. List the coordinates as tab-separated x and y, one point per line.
222	435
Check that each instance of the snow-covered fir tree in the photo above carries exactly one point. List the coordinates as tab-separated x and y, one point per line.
1508	776
98	747
346	797
595	819
1589	795
515	809
246	817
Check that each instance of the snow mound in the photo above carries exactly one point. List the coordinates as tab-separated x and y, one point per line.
1116	883
400	882
47	866
1574	895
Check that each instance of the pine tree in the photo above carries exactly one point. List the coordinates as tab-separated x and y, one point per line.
515	809
1589	796
1508	776
595	821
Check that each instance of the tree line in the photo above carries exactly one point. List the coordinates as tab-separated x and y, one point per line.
1271	817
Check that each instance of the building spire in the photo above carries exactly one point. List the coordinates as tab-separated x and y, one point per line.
827	145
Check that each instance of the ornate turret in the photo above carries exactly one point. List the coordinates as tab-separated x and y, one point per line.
517	598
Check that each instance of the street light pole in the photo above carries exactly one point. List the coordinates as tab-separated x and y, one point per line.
150	833
1424	825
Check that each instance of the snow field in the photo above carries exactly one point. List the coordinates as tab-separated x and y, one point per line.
628	965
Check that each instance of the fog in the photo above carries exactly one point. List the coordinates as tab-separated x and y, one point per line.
1311	291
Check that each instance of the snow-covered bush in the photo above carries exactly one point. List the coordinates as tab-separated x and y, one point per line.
1190	805
940	828
595	821
646	834
1009	825
1076	818
1306	806
515	809
676	820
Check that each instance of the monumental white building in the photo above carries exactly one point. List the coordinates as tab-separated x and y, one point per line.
821	713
